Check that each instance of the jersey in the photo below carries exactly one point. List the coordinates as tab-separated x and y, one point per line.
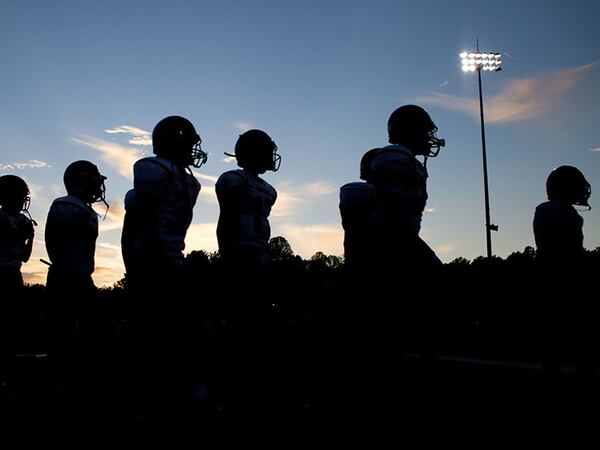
400	182
15	230
159	237
71	233
558	231
245	203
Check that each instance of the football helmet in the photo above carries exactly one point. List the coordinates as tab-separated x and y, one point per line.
175	138
567	184
411	125
365	164
14	193
83	180
255	150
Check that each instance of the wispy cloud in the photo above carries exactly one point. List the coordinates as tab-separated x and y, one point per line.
203	176
114	216
244	126
228	159
309	239
42	197
208	194
520	100
287	204
445	249
109	246
118	156
31	164
443	84
44	194
140	136
429	210
318	189
595	149
293	199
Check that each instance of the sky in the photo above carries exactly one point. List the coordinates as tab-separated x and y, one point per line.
89	80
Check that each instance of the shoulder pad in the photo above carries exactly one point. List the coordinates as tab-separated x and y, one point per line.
231	179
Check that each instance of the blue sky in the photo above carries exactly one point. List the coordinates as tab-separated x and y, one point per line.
88	80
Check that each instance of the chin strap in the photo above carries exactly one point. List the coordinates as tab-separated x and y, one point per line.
107	208
28	214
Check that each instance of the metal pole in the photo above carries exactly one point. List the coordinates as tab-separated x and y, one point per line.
488	226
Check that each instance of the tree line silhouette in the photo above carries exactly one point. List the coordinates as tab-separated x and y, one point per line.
315	338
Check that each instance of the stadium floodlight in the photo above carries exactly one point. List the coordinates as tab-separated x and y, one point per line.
481	61
490	62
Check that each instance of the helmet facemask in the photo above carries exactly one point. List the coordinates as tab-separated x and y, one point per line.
276	159
585	194
25	208
100	193
434	143
197	155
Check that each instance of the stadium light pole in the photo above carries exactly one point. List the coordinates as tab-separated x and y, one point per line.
471	62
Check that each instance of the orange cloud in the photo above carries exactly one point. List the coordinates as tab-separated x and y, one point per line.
109	264
520	100
114	216
306	240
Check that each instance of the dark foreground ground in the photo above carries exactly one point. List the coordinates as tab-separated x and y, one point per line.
449	365
443	396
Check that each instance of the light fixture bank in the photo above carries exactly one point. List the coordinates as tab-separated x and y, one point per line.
472	61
